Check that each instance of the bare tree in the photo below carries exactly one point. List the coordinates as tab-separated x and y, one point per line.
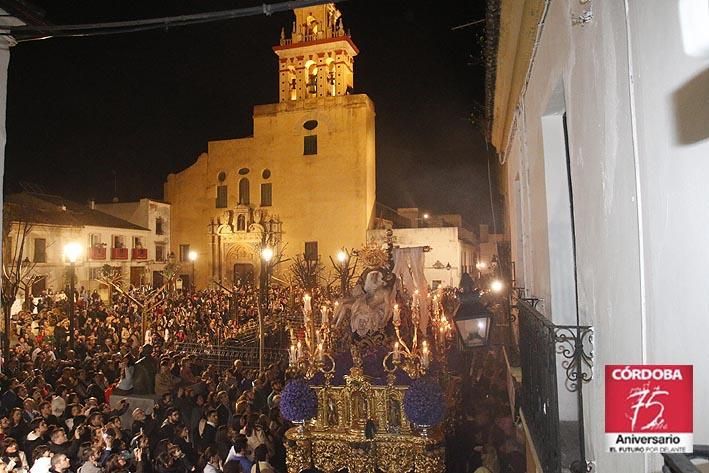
307	273
16	271
114	279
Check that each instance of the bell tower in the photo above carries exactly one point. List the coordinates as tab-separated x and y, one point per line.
317	60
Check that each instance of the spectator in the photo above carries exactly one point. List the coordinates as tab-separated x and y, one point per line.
261	464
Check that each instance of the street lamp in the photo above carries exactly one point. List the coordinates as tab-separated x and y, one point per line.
71	253
496	286
473	322
266	257
192	256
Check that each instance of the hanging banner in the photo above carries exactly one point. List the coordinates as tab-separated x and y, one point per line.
649	408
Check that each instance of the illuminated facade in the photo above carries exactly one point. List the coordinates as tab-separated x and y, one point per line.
304	182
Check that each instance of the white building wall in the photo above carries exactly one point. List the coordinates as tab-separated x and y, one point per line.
445	248
57	236
145	213
640	200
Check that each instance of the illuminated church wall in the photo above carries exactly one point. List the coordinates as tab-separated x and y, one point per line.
316	152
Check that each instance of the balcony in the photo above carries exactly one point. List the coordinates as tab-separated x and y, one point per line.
119	253
557	442
97	253
139	253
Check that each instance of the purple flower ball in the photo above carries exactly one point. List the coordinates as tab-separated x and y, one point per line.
423	402
298	401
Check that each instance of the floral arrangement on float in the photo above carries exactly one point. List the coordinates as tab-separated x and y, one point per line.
298	402
424	404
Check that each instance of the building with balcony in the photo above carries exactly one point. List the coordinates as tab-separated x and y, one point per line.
54	222
152	251
597	112
303	183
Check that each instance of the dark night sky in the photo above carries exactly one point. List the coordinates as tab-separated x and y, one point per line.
145	104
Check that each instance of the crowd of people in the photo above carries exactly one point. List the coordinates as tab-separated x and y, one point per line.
55	408
486	438
56	414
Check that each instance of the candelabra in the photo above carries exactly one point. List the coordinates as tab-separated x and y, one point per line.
311	356
441	327
414	359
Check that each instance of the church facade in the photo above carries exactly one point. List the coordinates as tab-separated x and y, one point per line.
303	184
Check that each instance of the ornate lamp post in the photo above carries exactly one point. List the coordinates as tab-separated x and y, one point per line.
192	256
266	257
71	253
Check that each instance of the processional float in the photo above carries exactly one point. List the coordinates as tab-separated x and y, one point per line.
366	375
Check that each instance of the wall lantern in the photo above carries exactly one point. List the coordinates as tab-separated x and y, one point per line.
473	322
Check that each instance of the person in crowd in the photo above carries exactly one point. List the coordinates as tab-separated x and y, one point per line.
60	463
127	368
261	464
41	458
210	462
238	453
13	457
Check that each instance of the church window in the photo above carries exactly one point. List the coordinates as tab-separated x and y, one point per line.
243	171
241	223
266	173
244	191
311	251
222	176
221	197
310	125
310	144
266	194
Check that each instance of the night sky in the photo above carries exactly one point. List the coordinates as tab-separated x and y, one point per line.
142	105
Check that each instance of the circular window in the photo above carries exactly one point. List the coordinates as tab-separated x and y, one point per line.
310	124
243	171
222	176
266	173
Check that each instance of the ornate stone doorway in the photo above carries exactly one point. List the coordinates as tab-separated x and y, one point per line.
243	273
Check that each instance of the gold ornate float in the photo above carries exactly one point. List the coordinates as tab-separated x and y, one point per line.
360	426
337	438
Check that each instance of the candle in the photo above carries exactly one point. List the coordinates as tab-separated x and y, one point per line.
306	304
321	352
292	334
300	350
397	315
424	354
293	354
324	315
396	351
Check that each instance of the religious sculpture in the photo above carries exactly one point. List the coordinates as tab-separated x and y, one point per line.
370	306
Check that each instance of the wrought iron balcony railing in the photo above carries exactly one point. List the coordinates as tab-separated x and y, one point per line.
119	253
540	341
139	253
97	252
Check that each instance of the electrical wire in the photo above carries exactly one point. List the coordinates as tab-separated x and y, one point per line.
35	33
